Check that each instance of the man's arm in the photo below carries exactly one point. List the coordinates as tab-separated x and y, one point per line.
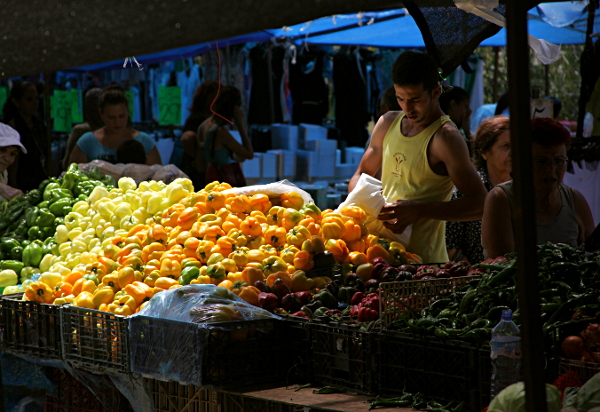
447	148
496	227
373	157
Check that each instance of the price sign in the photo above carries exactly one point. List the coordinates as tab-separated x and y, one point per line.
76	106
62	111
169	103
130	99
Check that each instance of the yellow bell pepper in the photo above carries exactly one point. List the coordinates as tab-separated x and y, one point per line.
256	255
297	236
333	228
321	281
356	246
239	257
153	251
292	200
125	276
248	293
251	275
165	282
226	244
230	265
260	202
300	282
256	242
141	291
377	251
51	278
102	295
288	253
272	215
268	250
234	276
280	275
356	213
85	300
123	306
273	264
237	203
314	245
232	221
216	200
84	285
288	218
357	258
251	227
338	248
150	278
39	292
352	231
187	218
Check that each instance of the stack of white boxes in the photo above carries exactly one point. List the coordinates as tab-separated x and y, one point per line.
353	155
284	136
286	163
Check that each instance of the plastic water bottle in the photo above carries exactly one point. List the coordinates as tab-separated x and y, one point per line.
505	354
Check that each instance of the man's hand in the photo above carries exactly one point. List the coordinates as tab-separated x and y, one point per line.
399	214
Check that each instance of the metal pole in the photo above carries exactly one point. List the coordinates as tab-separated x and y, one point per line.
524	213
496	63
583	94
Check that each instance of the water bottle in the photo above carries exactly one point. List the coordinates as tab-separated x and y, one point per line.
505	354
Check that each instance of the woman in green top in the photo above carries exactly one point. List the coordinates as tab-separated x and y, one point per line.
215	142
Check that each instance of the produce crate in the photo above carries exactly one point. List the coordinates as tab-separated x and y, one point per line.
235	402
30	328
296	342
344	356
329	272
175	397
445	370
585	370
72	395
224	354
95	339
417	294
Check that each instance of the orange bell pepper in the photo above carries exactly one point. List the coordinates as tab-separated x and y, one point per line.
213	233
251	227
139	291
338	248
377	251
268	250
216	200
357	258
111	280
352	232
39	292
83	285
187	218
62	289
292	200
356	213
260	202
203	208
238	203
356	246
249	294
275	235
280	275
170	268
303	260
251	275
153	251
126	275
232	221
332	227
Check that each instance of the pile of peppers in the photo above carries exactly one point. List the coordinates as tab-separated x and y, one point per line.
568	280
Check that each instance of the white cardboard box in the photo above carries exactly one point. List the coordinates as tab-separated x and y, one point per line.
306	165
284	136
269	166
308	132
286	163
252	168
323	147
354	154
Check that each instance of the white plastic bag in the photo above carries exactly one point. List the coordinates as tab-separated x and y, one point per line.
271	189
137	172
367	194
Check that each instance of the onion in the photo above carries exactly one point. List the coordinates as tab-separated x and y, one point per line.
573	347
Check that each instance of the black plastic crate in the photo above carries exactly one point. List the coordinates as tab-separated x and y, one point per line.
344	356
330	272
30	328
445	370
298	364
175	397
95	339
218	355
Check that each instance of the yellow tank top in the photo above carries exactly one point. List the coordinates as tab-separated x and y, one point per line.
406	174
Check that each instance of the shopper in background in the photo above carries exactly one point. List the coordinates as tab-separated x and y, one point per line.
421	157
492	159
456	103
562	214
216	144
131	151
103	143
10	145
93	122
29	168
388	102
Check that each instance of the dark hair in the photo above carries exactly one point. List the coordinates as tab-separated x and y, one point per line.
389	99
502	104
113	95
556	105
91	103
204	96
486	136
228	98
455	93
10	109
413	68
131	151
548	132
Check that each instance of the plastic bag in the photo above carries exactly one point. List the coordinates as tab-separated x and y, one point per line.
105	167
168	173
367	195
202	304
137	172
272	189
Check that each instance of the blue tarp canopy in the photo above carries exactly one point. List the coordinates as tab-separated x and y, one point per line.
560	23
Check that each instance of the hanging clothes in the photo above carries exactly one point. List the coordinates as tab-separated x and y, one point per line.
267	73
233	61
351	105
188	80
309	91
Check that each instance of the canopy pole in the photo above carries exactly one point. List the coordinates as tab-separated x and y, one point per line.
583	95
496	69
48	88
524	213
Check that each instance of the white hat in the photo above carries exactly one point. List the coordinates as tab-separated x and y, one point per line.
10	137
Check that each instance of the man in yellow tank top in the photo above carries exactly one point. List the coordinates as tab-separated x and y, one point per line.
419	156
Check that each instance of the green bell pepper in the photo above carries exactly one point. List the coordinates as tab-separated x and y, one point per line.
59	194
50	245
327	299
34	197
45	218
15	265
48	190
16	253
25	242
71	177
31	215
33	253
44	204
34	233
188	274
22	228
47	231
84	188
108	180
45	183
59	208
7	244
91	277
94	173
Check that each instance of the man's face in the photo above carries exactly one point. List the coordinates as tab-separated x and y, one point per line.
416	102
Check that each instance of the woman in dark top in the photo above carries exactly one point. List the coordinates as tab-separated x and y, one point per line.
492	159
19	111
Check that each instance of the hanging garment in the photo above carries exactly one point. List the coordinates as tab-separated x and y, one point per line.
351	105
308	88
588	183
265	100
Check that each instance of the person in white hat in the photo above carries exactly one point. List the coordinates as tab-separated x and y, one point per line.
10	143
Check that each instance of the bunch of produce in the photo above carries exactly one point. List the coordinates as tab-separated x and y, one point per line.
584	346
28	223
119	248
568	280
